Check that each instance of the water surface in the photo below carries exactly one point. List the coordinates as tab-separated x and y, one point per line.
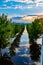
20	50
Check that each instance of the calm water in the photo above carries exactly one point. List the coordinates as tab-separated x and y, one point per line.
42	54
20	53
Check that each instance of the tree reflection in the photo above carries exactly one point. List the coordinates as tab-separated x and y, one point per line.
35	50
15	43
17	40
5	60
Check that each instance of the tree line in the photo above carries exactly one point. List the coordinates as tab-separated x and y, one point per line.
7	31
35	29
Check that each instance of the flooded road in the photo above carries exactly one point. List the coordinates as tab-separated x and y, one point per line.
20	50
22	53
42	51
22	56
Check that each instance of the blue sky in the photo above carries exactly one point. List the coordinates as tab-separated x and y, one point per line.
21	7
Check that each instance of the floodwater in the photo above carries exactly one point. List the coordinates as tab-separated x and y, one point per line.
19	51
42	55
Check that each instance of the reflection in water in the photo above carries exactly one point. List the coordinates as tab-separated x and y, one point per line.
35	50
23	52
15	43
5	60
42	55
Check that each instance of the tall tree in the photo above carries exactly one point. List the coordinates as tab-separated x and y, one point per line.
5	31
35	29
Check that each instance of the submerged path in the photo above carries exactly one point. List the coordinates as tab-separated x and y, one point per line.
22	51
22	56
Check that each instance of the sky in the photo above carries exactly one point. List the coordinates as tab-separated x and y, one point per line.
21	7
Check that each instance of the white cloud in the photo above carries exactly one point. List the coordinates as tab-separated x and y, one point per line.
36	3
22	7
21	0
16	7
6	7
7	0
40	4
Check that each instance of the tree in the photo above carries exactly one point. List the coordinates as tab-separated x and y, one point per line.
35	29
41	21
5	31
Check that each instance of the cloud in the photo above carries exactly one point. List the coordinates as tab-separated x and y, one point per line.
19	0
35	2
23	15
18	6
23	7
25	4
7	0
31	18
39	13
38	2
5	6
26	1
15	15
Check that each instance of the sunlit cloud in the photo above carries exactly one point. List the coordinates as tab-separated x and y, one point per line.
15	15
38	13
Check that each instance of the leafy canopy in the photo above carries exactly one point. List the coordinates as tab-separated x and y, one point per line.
5	30
35	29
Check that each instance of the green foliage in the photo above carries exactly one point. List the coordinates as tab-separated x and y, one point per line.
5	31
35	51
41	21
18	28
35	29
